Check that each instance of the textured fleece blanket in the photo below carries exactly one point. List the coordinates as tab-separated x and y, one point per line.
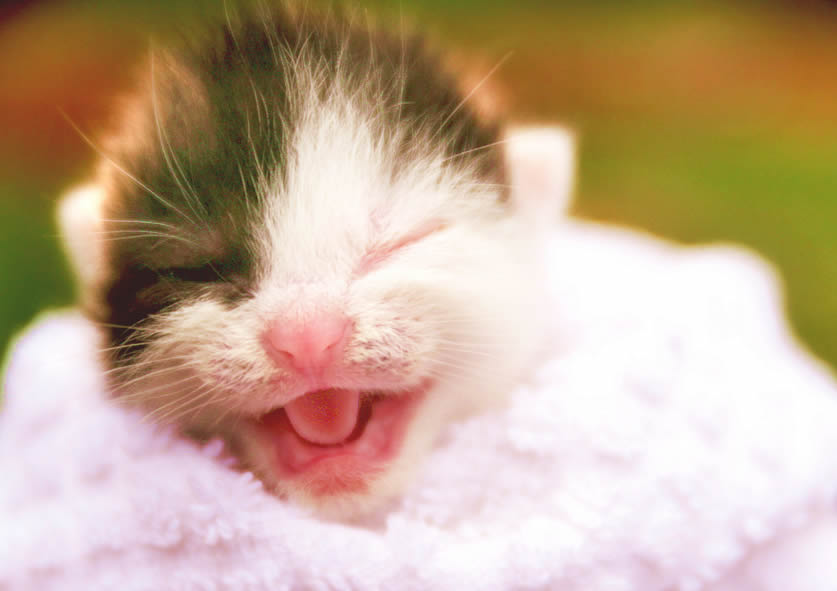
673	437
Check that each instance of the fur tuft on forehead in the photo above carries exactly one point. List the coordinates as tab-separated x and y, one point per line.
232	98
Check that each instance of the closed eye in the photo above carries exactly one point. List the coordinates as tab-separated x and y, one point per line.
229	268
206	273
381	252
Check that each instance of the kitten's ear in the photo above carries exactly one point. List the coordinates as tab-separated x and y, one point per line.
80	219
541	165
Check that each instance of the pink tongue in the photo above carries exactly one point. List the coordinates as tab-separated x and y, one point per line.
325	417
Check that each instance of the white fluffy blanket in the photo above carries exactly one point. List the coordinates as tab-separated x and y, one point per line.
673	439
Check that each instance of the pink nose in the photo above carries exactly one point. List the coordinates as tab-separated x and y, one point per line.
310	345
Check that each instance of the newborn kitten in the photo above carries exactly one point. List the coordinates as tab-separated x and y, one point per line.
304	239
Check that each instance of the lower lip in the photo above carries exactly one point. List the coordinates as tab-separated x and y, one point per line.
349	466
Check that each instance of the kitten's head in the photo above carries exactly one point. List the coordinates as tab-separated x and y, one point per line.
305	240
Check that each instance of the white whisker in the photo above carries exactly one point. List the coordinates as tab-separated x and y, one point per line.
122	170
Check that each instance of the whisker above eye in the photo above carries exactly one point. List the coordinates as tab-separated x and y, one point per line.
169	154
471	151
146	235
141	222
119	168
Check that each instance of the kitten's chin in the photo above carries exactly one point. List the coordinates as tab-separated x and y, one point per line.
329	472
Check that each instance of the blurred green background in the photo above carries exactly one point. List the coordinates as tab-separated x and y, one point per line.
698	121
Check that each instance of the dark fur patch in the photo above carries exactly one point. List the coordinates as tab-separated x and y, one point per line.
216	117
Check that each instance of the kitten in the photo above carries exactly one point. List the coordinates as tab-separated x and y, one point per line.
304	238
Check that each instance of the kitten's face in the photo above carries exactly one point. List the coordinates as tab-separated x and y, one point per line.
310	259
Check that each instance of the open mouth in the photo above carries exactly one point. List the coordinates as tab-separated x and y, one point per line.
337	439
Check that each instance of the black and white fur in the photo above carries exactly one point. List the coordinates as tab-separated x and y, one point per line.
251	174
